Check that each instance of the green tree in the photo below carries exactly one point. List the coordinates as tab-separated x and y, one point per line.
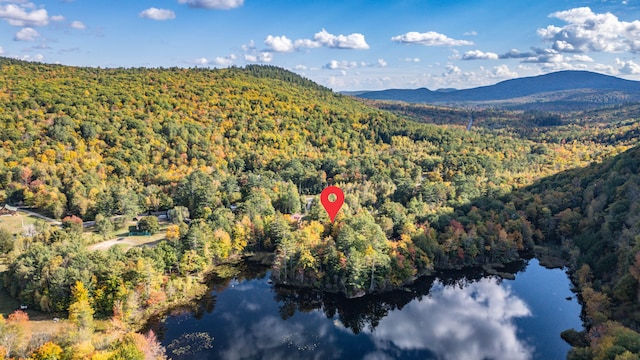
6	241
279	229
104	225
199	233
197	192
289	199
150	224
178	214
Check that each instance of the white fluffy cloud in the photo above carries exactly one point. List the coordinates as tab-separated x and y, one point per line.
516	54
552	58
57	18
224	61
36	57
261	57
252	54
219	61
19	15
344	65
609	69
213	4
503	71
307	43
451	70
1	50
351	41
251	46
279	43
200	61
26	34
348	65
430	38
479	55
320	39
157	14
587	31
543	56
628	67
78	25
581	58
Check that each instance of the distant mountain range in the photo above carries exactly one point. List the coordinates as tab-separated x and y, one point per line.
563	90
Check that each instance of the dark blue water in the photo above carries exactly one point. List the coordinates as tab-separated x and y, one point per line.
453	316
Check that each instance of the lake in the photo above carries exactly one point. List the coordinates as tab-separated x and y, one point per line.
454	315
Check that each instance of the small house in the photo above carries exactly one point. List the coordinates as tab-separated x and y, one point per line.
8	210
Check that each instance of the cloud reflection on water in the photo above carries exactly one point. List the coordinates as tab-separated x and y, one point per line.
473	322
464	319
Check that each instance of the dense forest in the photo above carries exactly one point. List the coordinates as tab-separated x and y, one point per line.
238	156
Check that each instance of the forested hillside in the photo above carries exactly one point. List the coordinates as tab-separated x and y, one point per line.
236	152
611	125
593	214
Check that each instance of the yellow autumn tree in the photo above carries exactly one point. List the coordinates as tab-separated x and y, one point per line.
80	310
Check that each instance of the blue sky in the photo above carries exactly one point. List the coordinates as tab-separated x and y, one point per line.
343	44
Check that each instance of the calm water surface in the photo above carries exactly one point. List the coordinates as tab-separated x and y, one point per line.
454	316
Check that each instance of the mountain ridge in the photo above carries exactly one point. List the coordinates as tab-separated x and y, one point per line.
570	86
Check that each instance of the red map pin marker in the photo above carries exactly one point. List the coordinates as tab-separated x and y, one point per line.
332	207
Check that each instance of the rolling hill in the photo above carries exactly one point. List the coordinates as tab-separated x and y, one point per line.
563	90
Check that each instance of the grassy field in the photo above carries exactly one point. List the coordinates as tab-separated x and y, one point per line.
14	223
41	323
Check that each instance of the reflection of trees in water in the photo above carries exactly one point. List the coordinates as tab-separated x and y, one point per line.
366	312
218	282
355	314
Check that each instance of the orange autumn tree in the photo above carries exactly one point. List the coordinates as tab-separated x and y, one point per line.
15	333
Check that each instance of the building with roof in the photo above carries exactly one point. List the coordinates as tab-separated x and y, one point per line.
7	210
